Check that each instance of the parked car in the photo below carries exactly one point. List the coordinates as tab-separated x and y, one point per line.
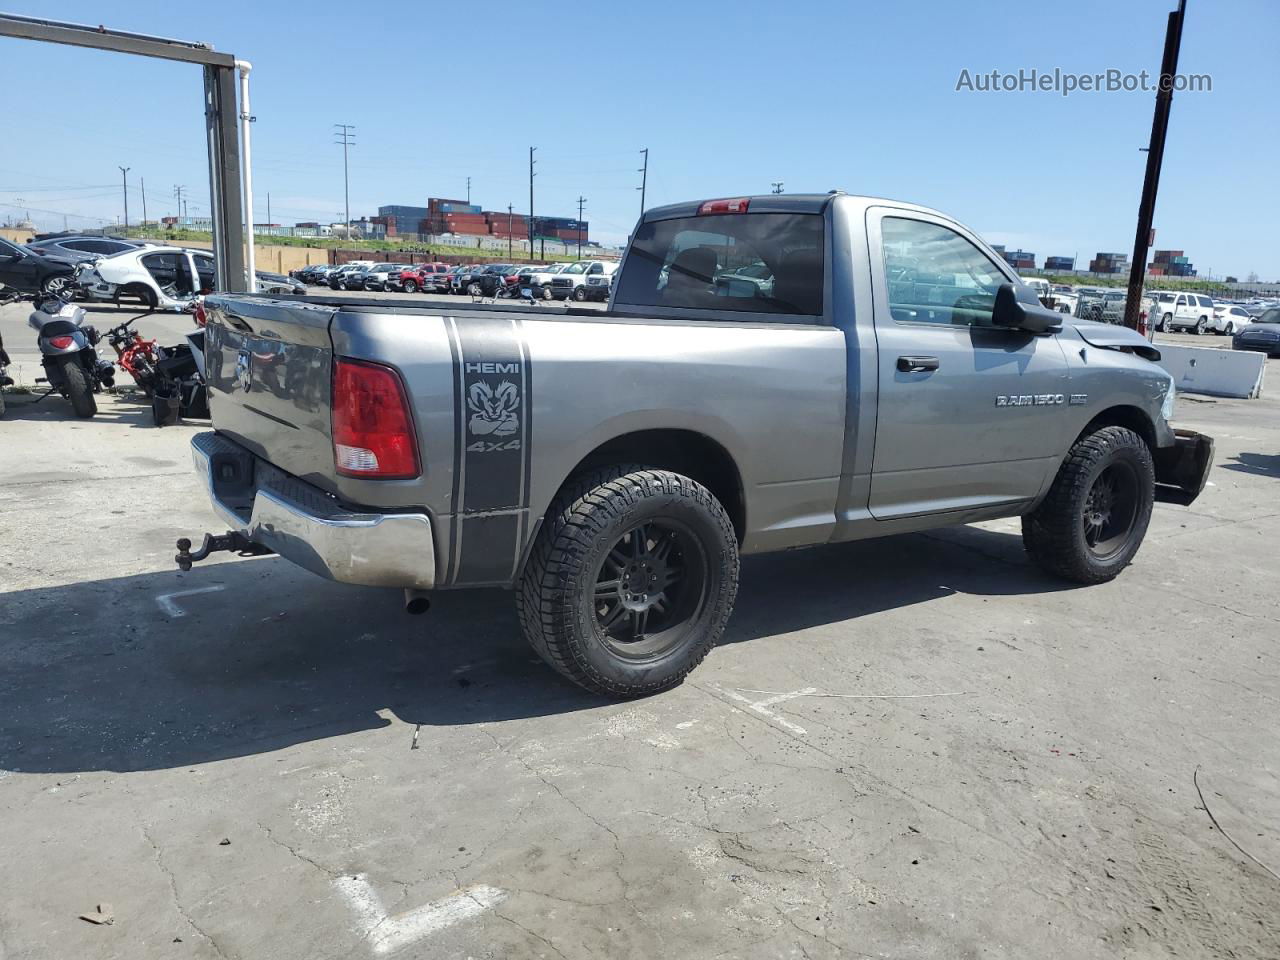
460	277
1263	334
278	283
487	281
757	275
375	277
1228	318
427	277
33	272
572	280
680	428
316	274
537	280
77	249
165	278
1184	311
344	277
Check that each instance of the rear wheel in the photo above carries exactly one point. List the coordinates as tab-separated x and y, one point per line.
1229	329
1198	329
1092	522
78	390
631	580
546	293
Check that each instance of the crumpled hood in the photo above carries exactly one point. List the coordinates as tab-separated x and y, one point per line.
1109	336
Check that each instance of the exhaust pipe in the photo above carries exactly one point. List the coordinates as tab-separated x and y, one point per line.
416	601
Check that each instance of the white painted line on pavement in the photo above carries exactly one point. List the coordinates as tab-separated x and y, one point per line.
762	706
165	600
388	933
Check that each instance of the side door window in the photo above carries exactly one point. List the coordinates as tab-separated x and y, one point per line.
935	275
163	268
204	274
1206	303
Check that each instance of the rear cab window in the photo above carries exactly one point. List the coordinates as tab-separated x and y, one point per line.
752	262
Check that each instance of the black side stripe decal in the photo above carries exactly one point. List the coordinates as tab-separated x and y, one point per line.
454	506
492	421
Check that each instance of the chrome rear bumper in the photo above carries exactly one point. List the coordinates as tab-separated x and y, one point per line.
303	524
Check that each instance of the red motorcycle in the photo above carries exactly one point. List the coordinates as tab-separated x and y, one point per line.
136	356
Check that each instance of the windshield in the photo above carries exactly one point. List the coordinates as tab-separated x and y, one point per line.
755	262
579	267
1269	316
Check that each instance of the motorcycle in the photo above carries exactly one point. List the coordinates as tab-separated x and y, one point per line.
69	354
5	379
171	377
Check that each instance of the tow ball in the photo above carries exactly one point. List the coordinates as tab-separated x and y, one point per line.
232	541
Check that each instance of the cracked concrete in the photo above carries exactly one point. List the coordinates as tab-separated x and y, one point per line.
1049	812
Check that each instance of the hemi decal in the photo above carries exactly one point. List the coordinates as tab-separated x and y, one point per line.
491	397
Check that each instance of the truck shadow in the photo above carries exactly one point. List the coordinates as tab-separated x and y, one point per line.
1259	464
130	674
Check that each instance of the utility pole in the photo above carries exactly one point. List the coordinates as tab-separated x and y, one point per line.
644	178
468	191
1155	158
142	181
581	203
510	222
269	208
777	186
347	139
532	228
124	180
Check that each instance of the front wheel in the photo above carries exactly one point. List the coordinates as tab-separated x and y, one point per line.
546	293
410	286
1093	520
1229	329
580	294
631	580
78	390
474	289
61	287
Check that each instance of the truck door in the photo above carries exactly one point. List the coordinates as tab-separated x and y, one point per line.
969	415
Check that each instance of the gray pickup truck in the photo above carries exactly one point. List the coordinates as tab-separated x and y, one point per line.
771	372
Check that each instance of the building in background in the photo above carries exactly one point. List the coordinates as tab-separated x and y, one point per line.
1171	263
1065	264
1109	263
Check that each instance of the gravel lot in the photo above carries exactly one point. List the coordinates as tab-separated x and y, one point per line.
916	747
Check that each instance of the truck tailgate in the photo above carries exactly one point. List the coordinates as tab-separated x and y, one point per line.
269	367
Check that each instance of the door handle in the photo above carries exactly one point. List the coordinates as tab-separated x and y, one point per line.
917	364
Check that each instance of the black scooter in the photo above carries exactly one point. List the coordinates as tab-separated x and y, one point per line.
69	354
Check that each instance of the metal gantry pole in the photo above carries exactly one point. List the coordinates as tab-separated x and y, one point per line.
582	202
1155	158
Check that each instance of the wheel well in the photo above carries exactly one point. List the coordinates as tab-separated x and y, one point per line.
693	454
1131	417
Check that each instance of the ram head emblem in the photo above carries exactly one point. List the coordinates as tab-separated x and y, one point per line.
493	410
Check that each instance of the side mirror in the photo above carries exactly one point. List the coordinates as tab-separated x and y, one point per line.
1016	313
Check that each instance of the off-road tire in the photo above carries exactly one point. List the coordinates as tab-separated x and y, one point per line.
586	519
1054	535
79	392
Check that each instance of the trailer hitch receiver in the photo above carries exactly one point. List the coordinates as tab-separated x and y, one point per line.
232	541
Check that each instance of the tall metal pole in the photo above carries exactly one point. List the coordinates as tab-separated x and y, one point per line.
347	139
143	182
644	178
124	180
510	222
269	220
1155	158
581	203
468	191
531	221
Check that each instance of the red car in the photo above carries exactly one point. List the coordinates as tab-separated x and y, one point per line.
427	277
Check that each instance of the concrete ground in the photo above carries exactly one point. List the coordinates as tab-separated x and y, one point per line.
919	747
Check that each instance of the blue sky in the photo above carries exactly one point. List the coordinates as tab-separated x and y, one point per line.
727	96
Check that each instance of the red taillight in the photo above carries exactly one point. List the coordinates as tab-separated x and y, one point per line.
372	428
60	343
200	316
735	205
